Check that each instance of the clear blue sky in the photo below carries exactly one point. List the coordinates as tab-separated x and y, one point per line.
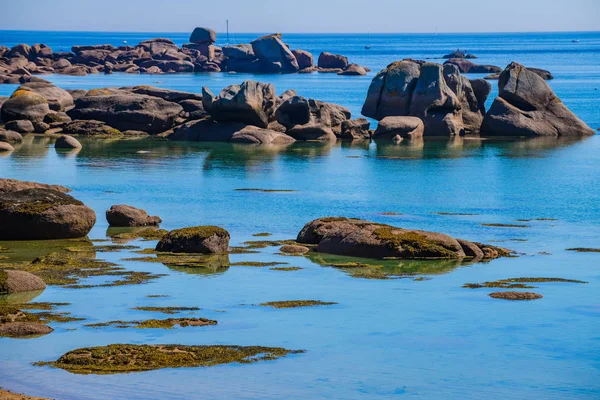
302	16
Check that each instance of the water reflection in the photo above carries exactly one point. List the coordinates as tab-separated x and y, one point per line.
29	250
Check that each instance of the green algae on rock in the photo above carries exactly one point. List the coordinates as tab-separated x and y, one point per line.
145	233
584	250
517	283
110	248
516	295
507	225
296	303
262	234
285	268
17	323
123	358
68	269
256	264
168	323
197	239
360	238
261	244
166	310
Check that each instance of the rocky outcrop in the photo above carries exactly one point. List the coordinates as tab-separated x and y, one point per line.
12	281
34	214
360	238
14	185
354	69
332	61
208	130
57	98
124	215
469	67
355	129
309	119
273	55
250	103
127	111
25	105
203	35
444	100
459	54
304	58
199	239
542	73
527	106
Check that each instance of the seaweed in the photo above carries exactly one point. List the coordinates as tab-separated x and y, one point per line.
146	234
516	295
507	225
584	250
256	264
166	310
413	244
296	303
261	244
517	283
262	234
122	358
168	323
285	268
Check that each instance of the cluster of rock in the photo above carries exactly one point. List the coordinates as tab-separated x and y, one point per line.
458	53
414	98
360	238
253	113
267	54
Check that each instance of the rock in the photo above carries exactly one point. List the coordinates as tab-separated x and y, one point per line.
14	185
527	106
5	147
353	69
24	104
203	35
127	111
75	70
459	54
79	49
35	214
405	127
515	295
166	94
40	51
55	119
332	61
544	74
251	103
294	249
61	64
124	215
206	130
67	142
239	52
468	67
40	127
12	281
356	129
254	135
20	50
24	329
20	126
90	128
194	108
360	238
199	239
304	58
158	46
9	136
274	55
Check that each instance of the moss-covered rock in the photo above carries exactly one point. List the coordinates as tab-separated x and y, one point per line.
296	303
122	358
168	323
198	239
24	104
34	214
516	295
360	238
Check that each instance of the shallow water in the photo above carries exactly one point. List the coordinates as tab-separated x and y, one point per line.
385	339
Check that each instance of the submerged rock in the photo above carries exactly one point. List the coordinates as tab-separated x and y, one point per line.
124	215
122	358
34	214
13	281
527	106
516	295
199	239
360	238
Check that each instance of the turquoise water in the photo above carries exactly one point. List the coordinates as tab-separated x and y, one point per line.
399	338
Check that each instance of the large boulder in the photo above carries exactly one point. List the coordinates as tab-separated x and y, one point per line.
24	104
158	46
34	214
208	130
469	67
332	61
250	103
6	147
304	58
448	103
58	99
239	52
404	127
354	69
274	55
9	136
67	142
203	35
355	129
90	128
12	281
254	135
20	126
127	111
20	50
124	215
360	238
198	239
527	106
309	119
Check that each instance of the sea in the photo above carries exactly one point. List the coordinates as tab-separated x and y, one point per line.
419	336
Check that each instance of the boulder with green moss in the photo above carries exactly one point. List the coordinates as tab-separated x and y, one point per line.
34	214
24	104
360	238
198	239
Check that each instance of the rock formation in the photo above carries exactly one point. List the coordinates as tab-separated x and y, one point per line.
124	215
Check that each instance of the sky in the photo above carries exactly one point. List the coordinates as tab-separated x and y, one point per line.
305	16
